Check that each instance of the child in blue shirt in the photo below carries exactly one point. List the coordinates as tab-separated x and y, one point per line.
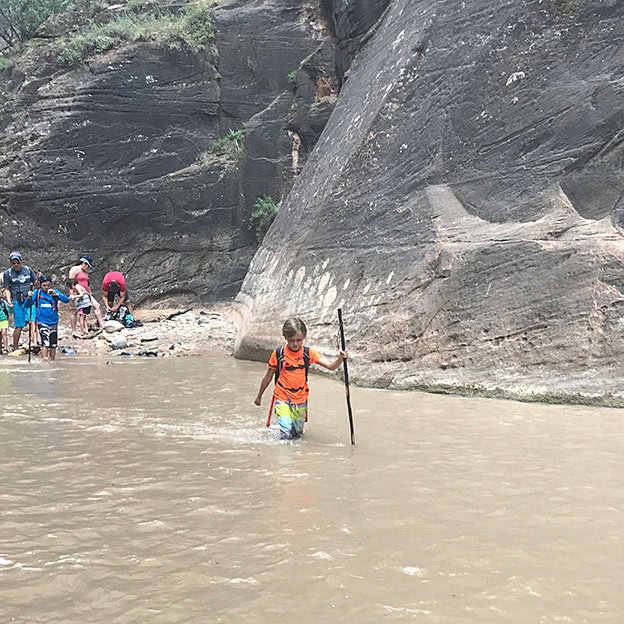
46	301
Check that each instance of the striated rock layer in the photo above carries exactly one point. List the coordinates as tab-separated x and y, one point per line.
464	206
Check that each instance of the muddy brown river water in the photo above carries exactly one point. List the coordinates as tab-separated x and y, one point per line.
150	491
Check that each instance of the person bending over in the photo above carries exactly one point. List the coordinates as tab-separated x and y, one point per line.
113	286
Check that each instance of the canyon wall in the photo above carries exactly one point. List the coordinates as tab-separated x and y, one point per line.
464	206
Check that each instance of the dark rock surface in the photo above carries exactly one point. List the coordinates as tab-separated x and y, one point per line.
116	159
465	206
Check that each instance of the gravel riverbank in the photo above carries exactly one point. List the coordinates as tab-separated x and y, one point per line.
164	333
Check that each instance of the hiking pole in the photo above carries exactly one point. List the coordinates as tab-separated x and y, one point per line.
29	331
346	375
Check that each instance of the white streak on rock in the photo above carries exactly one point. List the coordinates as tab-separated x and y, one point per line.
323	282
330	297
519	75
299	277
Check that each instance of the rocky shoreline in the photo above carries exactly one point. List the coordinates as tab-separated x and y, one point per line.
164	333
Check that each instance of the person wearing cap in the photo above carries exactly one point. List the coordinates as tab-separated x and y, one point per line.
17	282
80	272
114	285
45	300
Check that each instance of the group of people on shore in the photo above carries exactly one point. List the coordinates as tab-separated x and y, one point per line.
29	296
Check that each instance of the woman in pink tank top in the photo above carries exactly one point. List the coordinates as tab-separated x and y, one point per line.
83	279
80	272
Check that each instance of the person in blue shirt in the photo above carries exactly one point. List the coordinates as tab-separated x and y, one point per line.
17	282
45	300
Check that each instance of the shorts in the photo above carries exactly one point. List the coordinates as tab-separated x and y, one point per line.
291	419
110	295
22	313
49	335
4	324
86	310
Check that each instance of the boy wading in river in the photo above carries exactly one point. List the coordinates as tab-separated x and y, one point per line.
46	301
289	366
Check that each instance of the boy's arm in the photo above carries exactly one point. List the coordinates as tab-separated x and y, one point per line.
7	296
61	296
332	366
264	384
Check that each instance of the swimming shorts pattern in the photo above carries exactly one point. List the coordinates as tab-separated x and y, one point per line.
49	335
291	419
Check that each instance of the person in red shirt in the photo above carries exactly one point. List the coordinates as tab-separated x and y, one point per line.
289	368
114	285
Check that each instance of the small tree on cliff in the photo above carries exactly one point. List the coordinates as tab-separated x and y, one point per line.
265	211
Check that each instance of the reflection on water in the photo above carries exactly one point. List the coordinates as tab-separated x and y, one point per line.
150	491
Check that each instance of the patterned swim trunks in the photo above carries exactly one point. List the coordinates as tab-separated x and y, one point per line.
291	419
49	335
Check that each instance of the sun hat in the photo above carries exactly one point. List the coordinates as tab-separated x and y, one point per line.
15	254
88	259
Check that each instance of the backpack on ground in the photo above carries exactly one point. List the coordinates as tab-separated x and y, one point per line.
124	317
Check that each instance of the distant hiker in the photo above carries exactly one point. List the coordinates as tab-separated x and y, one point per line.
17	282
81	306
80	272
46	301
4	324
114	285
289	366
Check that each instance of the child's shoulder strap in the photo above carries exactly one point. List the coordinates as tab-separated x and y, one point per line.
306	360
279	354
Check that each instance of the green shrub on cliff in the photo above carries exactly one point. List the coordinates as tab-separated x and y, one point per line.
265	211
232	141
19	19
191	29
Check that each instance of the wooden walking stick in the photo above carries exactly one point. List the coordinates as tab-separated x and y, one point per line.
346	375
29	331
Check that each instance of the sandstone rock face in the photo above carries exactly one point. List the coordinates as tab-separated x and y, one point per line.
115	158
464	206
